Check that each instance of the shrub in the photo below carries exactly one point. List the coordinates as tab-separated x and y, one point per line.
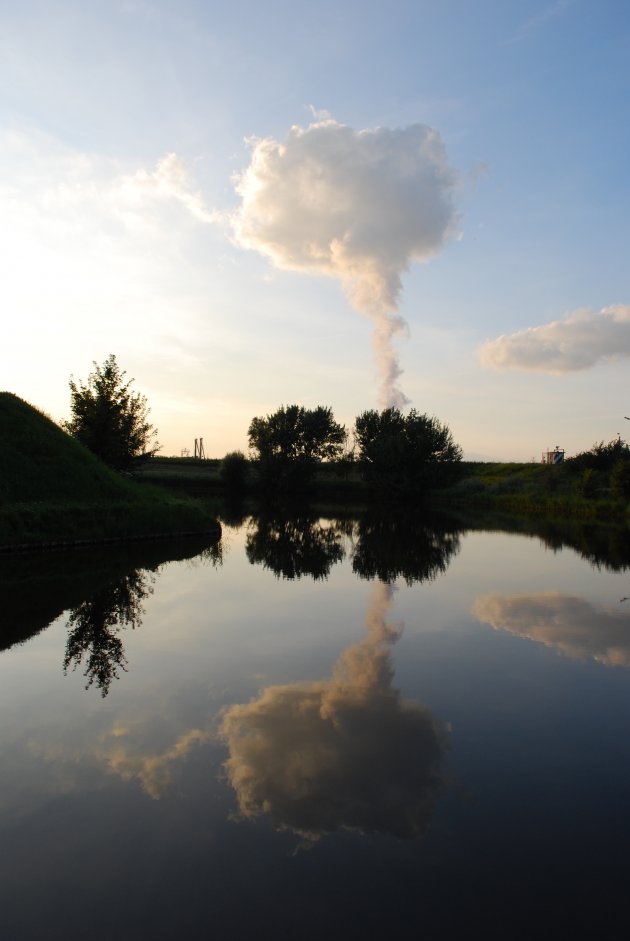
586	483
620	480
234	470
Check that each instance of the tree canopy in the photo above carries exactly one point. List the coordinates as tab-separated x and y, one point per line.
110	419
405	452
289	443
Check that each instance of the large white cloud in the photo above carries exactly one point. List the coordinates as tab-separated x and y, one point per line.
347	752
356	205
575	343
570	625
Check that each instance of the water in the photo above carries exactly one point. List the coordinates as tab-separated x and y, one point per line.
335	727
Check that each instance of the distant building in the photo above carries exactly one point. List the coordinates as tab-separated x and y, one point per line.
553	457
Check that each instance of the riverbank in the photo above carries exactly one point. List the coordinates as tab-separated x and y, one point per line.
528	489
54	492
538	490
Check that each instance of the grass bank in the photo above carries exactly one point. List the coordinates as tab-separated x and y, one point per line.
53	490
536	490
529	489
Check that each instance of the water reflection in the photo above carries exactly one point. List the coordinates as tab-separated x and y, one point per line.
347	752
35	589
94	626
605	546
569	624
383	545
389	546
124	752
295	545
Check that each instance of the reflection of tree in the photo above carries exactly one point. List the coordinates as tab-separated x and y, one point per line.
95	624
35	589
605	547
347	752
390	546
293	546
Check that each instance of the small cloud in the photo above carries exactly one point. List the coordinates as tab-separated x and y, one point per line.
576	343
570	625
170	179
153	771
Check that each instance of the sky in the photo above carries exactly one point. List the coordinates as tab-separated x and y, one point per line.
352	204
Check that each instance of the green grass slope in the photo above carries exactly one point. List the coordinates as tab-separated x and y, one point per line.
52	489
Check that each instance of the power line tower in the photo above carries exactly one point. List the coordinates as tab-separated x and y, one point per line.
199	451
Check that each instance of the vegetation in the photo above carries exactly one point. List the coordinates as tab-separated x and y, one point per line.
405	453
290	443
52	489
601	457
592	485
234	471
109	419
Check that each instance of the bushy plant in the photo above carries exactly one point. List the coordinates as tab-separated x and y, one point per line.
233	471
405	453
620	480
289	444
586	483
601	457
110	419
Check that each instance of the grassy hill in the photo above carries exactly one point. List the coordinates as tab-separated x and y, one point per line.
52	489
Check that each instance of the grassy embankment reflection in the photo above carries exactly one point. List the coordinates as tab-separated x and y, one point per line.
102	589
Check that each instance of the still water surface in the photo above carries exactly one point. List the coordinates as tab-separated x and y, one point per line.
322	727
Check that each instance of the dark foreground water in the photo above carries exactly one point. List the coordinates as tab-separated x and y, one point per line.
333	728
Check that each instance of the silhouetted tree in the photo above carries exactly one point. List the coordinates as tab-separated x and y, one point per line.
390	546
234	470
293	546
94	629
620	480
601	457
405	453
289	443
110	419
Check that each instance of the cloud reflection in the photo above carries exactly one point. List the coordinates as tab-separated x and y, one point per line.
346	752
155	771
570	625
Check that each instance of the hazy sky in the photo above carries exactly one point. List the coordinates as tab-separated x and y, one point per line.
342	203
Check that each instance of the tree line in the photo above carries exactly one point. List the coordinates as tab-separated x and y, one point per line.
393	451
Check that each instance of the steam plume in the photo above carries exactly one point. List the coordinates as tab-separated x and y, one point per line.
344	752
356	205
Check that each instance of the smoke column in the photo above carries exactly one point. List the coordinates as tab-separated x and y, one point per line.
359	206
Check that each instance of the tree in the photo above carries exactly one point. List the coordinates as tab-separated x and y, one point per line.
289	443
294	545
233	471
110	419
94	628
404	453
601	457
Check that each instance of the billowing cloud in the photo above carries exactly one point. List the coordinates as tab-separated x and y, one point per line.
346	752
360	206
570	625
575	343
